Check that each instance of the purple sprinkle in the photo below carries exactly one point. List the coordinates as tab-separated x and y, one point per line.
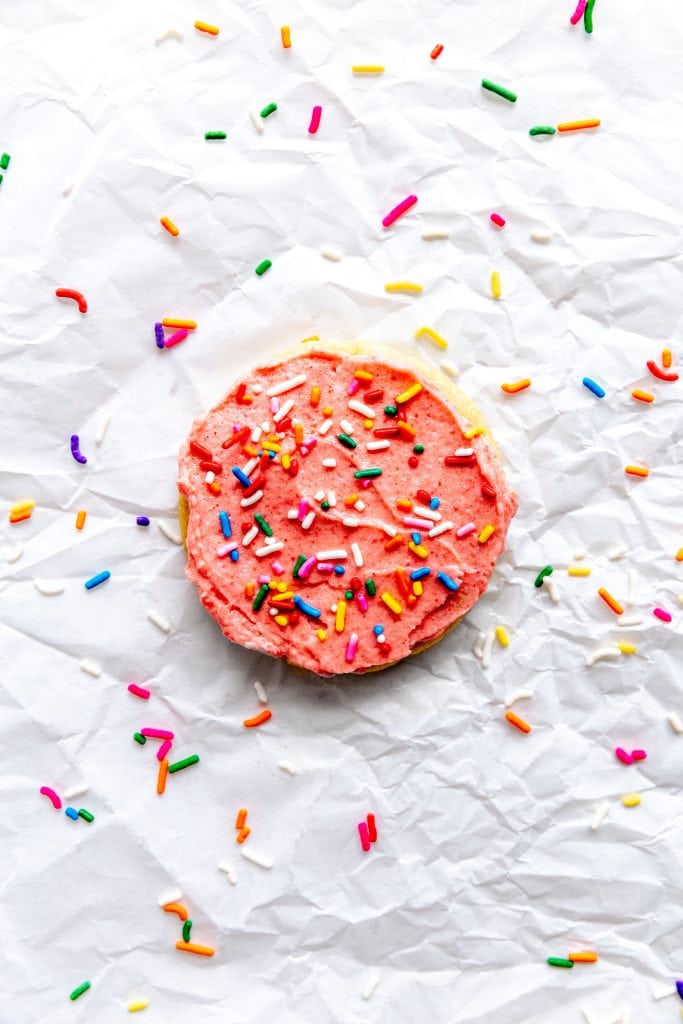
75	450
159	334
142	521
679	988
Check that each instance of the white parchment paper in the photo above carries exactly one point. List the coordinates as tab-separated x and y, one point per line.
486	863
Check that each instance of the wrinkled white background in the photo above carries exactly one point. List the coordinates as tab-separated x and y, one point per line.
485	863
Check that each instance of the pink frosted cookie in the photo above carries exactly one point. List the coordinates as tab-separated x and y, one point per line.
343	507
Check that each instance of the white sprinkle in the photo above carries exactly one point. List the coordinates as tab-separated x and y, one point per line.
323	429
287	385
377	446
75	791
257	858
249	536
49	588
256	434
449	368
210	477
269	549
518	695
162	623
257	121
250	466
260	692
441	528
12	553
580	553
603	654
427	513
319	496
431	234
617	552
171	33
540	235
169	532
662	989
308	520
359	505
675	722
478	646
247	502
91	667
600	812
283	410
172	896
357	555
346	426
331	254
288	767
102	429
273	612
390	530
632	584
552	588
331	499
256	388
329	463
350	521
371	984
227	869
464	453
292	513
630	620
364	410
265	427
333	555
486	649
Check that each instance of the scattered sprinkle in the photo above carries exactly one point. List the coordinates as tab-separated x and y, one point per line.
91	668
264	716
631	799
159	620
79	991
69	293
496	290
595	388
575	126
519	723
256	858
202	26
399	210
499	90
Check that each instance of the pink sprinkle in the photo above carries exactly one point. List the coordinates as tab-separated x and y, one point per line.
263	579
661	614
274	405
418	524
366	483
354	384
157	734
50	793
315	120
138	691
277	567
305	569
464	531
310	442
362	601
303	508
623	756
303	450
225	549
352	647
399	210
497	219
176	338
578	13
364	836
325	566
164	749
638	755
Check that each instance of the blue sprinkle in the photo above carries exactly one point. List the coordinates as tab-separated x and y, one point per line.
339	570
306	608
595	388
378	630
448	583
226	525
72	813
95	581
434	504
234	555
679	988
419	574
416	538
142	521
242	477
159	334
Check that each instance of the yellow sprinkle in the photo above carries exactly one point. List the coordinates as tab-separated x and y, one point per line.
403	286
473	432
269	446
321	635
405	396
315	394
637	471
496	290
172	321
363	375
418	589
24	506
485	533
368	424
501	636
202	26
273	585
429	333
281	620
327	410
578	570
418	549
340	616
139	1004
666	358
313	337
391	603
169	225
284	595
215	487
286	36
627	648
631	800
285	460
281	588
367	69
248	450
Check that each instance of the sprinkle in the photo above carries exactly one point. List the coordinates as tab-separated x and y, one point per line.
286	37
436	52
170	321
519	723
202	26
428	332
637	471
142	520
306	608
257	858
631	799
159	621
391	603
367	474
139	691
157	734
558	961
614	553
79	991
639	755
176	338
50	588
595	388
450	584
377	446
288	767
542	129
373	976
498	220
603	654
170	533
417	524
316	114
4	161
488	530
675	722
464	531
340	617
660	374
600	812
578	570
215	136
347	441
90	667
364	410
520	385
403	286
69	293
263	525
630	620
139	738
137	1004
499	90
263	716
169	225
610	601
434	234
253	500
552	588
496	290
95	581
266	112
186	762
352	647
440	528
364	836
72	813
399	210
75	450
578	13
367	69
286	385
357	555
661	614
574	126
642	396
623	755
518	695
502	637
627	648
588	17
371	587
411	392
269	549
192	947
86	815
52	796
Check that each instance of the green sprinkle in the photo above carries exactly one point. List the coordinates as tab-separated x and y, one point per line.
215	135
187	928
270	109
260	521
347	441
542	129
588	16
325	506
348	595
390	410
371	587
260	597
1	179
185	763
80	990
538	582
297	565
4	161
262	267
418	449
139	738
86	815
499	89
367	474
558	961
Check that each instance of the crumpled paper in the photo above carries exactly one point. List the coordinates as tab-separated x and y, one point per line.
485	863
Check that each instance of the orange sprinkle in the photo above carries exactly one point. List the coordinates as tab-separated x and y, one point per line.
80	519
351	500
192	947
286	37
202	26
394	542
299	432
161	779
642	396
637	471
249	723
679	555
666	358
215	487
169	225
575	126
518	722
171	321
406	428
611	601
241	818
402	582
520	385
583	958
249	589
315	394
242	834
405	504
176	908
19	517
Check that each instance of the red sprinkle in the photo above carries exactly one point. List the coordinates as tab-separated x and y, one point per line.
364	836
207	466
69	293
198	449
437	51
386	432
497	219
374	396
237	438
139	691
413	462
660	374
372	828
488	491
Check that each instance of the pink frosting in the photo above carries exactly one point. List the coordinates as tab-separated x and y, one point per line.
472	492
